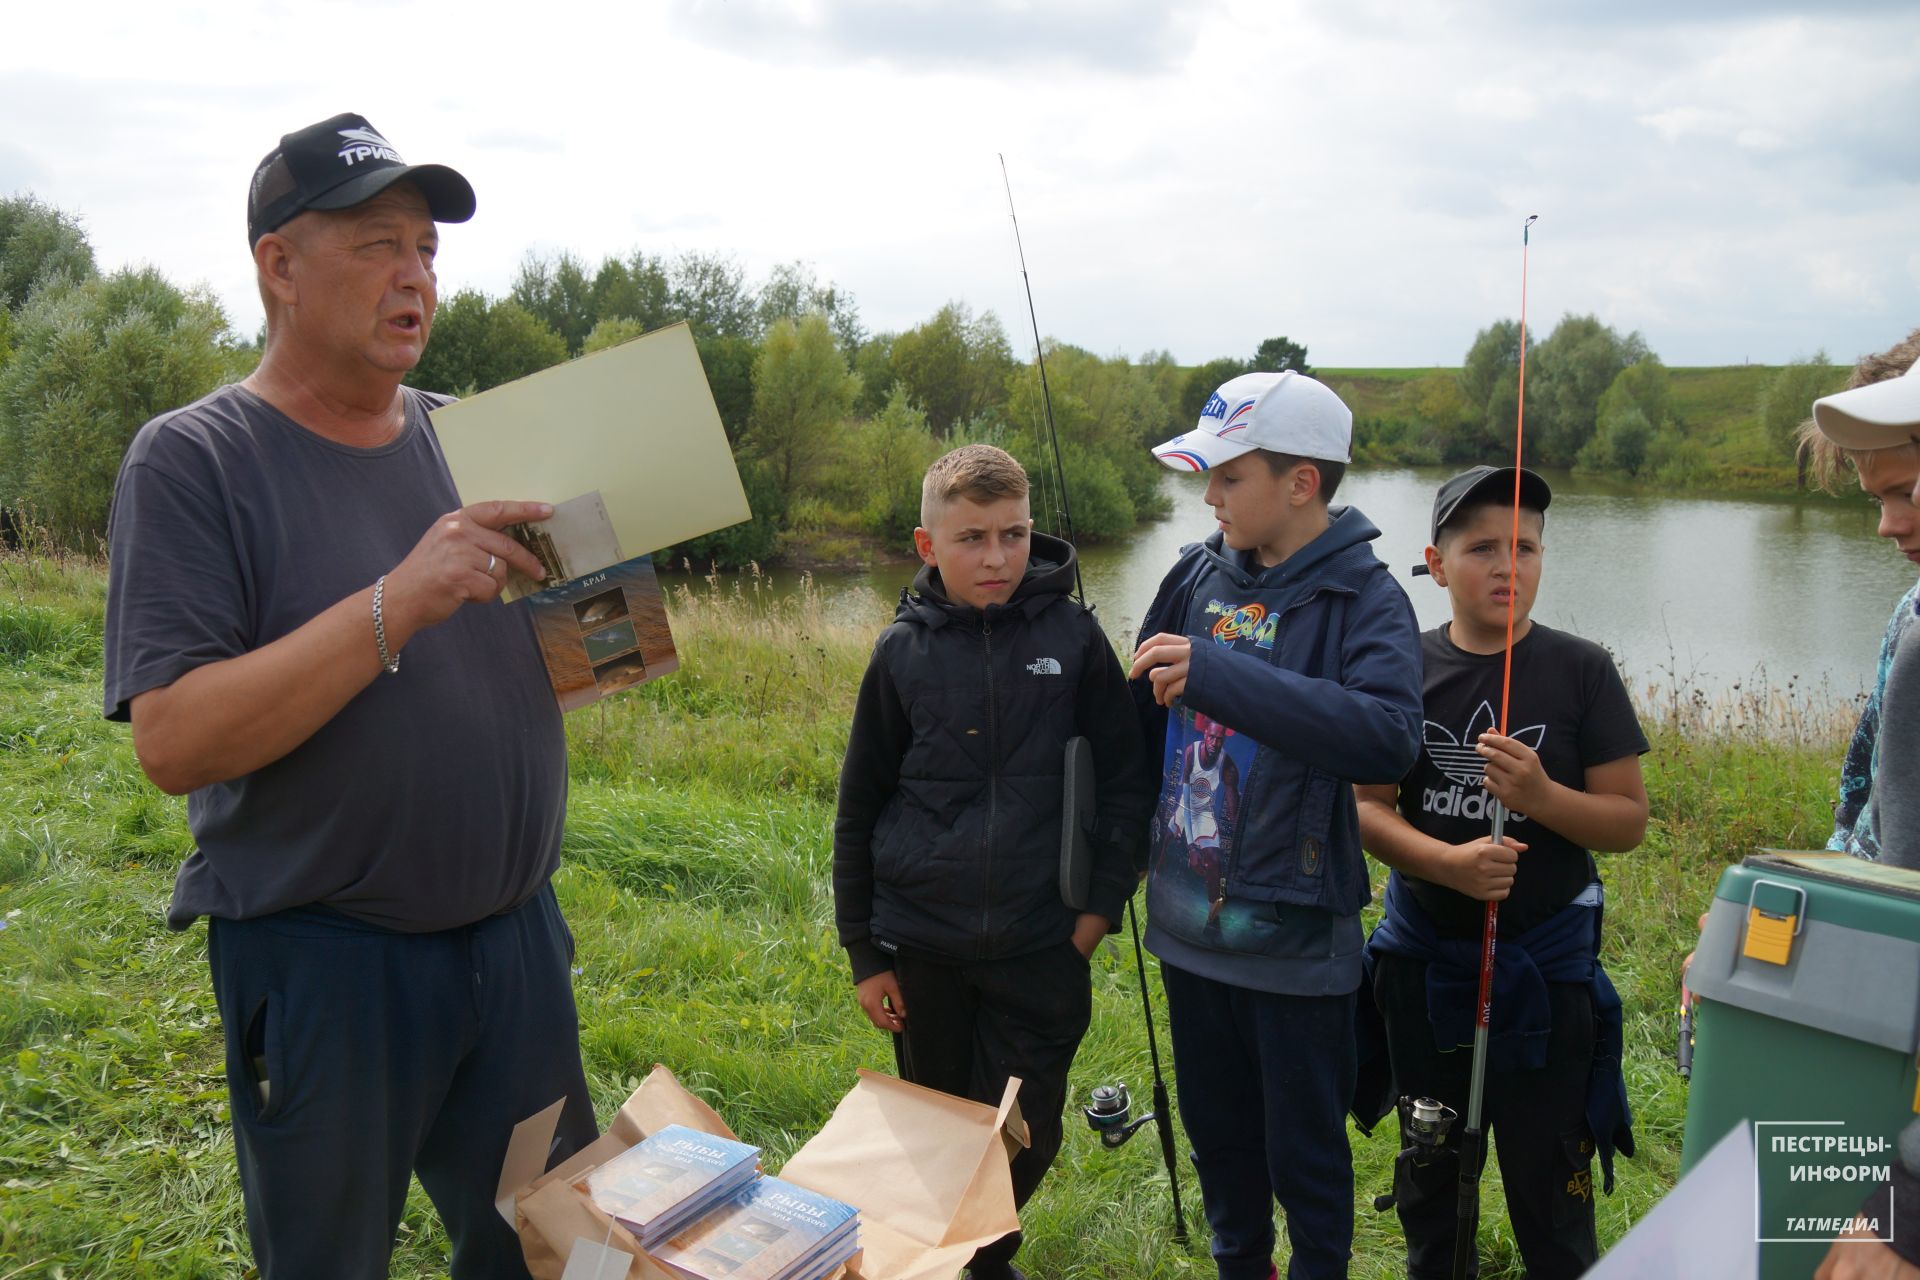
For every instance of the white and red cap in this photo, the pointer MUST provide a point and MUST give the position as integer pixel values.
(1281, 412)
(1876, 416)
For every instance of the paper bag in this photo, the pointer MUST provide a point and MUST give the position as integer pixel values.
(550, 1215)
(928, 1172)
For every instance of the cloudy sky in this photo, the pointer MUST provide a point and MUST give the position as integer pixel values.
(1736, 181)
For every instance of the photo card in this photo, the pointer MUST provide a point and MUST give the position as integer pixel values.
(603, 632)
(576, 540)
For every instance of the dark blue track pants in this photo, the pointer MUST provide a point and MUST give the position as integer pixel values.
(1264, 1083)
(387, 1054)
(1537, 1120)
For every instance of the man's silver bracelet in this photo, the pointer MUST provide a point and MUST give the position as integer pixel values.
(388, 661)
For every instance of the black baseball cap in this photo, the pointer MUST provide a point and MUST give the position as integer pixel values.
(1484, 484)
(338, 163)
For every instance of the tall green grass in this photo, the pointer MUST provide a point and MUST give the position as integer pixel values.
(695, 879)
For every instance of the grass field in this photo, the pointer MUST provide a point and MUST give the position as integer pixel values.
(695, 878)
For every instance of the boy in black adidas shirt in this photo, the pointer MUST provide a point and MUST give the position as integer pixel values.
(1568, 772)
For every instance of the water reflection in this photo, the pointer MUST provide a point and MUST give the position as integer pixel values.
(1711, 589)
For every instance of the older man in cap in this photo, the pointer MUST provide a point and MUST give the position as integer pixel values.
(302, 628)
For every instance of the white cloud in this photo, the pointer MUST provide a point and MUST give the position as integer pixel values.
(1195, 178)
(991, 35)
(1759, 140)
(1676, 123)
(1498, 102)
(1840, 276)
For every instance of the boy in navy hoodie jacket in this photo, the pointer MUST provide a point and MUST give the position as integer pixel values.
(1278, 666)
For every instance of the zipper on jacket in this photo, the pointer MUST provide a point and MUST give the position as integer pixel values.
(993, 789)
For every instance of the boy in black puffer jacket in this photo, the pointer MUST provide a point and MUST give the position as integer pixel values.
(946, 851)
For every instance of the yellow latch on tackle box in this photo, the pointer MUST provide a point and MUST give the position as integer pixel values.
(1776, 912)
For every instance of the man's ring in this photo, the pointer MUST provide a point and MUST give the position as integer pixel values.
(491, 561)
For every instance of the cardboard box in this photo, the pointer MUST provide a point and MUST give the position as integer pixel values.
(928, 1172)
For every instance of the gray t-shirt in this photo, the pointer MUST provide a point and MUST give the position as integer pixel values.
(435, 797)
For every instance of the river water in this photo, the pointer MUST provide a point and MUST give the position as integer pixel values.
(1701, 591)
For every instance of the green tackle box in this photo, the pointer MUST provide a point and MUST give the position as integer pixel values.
(1807, 1022)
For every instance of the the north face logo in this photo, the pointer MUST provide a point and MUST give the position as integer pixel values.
(365, 144)
(1044, 666)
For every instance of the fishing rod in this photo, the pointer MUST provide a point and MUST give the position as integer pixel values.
(1046, 396)
(1110, 1114)
(1473, 1147)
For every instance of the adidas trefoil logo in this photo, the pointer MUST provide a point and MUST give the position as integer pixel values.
(1462, 765)
(1457, 758)
(365, 144)
(1044, 666)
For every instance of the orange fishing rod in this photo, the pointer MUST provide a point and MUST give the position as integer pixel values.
(1473, 1149)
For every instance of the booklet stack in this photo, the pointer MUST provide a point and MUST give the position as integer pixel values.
(672, 1179)
(769, 1230)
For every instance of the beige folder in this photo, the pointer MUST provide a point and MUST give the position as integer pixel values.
(635, 422)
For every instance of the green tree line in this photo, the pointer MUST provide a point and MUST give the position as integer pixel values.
(832, 425)
(1597, 401)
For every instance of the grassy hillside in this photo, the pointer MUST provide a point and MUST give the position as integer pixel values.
(1718, 407)
(1376, 393)
(695, 877)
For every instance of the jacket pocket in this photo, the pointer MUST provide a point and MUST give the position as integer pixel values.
(1312, 843)
(1290, 845)
(1266, 860)
(1328, 845)
(881, 844)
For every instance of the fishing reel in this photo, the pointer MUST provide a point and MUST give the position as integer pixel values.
(1425, 1125)
(1110, 1114)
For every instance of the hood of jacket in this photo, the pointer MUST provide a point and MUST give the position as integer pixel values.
(1049, 575)
(1340, 554)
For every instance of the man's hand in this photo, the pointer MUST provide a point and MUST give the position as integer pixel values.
(1482, 869)
(1851, 1257)
(1514, 774)
(1087, 932)
(880, 1001)
(1166, 658)
(463, 557)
